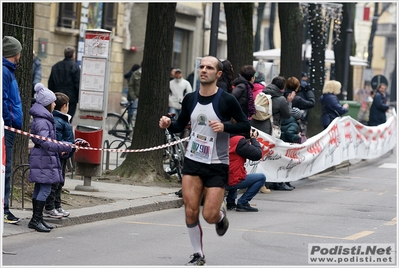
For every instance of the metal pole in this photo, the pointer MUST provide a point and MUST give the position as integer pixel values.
(214, 29)
(349, 33)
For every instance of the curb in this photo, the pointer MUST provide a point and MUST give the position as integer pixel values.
(99, 216)
(113, 210)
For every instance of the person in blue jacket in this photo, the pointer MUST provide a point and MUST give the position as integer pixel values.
(379, 107)
(330, 105)
(12, 112)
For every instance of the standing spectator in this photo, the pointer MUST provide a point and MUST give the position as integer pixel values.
(133, 93)
(379, 107)
(243, 86)
(304, 81)
(190, 78)
(131, 71)
(259, 86)
(64, 133)
(239, 151)
(172, 73)
(44, 158)
(259, 83)
(292, 86)
(36, 72)
(290, 132)
(330, 105)
(280, 105)
(364, 112)
(206, 165)
(304, 100)
(12, 112)
(225, 82)
(65, 78)
(178, 88)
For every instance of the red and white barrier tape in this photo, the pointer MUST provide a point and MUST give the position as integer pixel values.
(96, 149)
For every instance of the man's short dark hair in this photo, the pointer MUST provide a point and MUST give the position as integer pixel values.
(219, 64)
(68, 52)
(279, 81)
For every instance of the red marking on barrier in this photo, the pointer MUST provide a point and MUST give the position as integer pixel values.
(266, 147)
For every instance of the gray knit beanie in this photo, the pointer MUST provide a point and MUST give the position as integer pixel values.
(11, 46)
(297, 113)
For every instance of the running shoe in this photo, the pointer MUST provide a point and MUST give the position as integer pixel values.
(10, 218)
(52, 213)
(223, 225)
(63, 211)
(197, 260)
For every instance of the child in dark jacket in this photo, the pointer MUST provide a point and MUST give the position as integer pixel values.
(290, 129)
(290, 132)
(44, 158)
(62, 119)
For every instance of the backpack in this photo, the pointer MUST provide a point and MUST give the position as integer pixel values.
(263, 105)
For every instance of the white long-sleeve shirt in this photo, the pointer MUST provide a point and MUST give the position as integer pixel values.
(178, 88)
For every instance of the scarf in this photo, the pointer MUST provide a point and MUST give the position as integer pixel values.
(251, 102)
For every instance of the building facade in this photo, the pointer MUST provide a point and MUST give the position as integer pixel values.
(57, 25)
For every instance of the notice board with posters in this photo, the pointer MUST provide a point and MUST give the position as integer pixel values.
(94, 78)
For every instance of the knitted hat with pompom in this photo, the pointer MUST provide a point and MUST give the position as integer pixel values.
(44, 96)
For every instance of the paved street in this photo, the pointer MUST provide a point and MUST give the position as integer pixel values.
(359, 206)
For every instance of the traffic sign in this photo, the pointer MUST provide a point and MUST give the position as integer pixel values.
(378, 79)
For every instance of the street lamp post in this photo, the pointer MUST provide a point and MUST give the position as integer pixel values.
(349, 33)
(214, 29)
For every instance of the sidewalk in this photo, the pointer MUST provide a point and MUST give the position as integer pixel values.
(128, 200)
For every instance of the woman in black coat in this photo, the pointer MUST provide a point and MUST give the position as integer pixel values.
(330, 105)
(379, 107)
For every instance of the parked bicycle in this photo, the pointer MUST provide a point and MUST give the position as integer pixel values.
(116, 124)
(173, 155)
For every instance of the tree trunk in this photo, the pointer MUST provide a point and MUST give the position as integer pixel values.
(261, 9)
(316, 76)
(147, 167)
(239, 34)
(271, 27)
(18, 20)
(291, 27)
(374, 24)
(339, 52)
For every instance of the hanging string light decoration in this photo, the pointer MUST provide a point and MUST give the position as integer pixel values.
(319, 17)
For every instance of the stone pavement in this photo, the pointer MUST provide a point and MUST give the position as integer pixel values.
(126, 200)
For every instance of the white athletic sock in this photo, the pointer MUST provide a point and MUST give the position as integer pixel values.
(195, 234)
(221, 216)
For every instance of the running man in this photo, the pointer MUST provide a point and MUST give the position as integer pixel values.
(206, 165)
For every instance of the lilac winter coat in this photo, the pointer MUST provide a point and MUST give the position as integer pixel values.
(44, 159)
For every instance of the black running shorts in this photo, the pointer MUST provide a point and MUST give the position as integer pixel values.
(212, 175)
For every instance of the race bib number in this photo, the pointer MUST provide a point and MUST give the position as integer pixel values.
(200, 148)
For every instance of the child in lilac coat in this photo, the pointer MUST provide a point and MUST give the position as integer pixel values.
(44, 158)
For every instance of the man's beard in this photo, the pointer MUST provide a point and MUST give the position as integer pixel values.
(206, 82)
